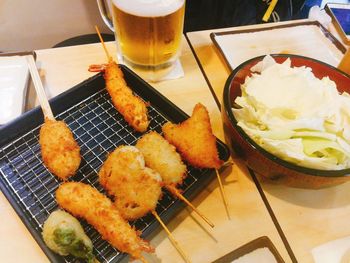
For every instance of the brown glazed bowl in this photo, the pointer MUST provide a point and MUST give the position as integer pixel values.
(258, 159)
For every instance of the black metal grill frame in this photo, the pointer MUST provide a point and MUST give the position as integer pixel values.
(98, 128)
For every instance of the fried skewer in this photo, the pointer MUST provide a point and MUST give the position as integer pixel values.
(84, 201)
(130, 106)
(162, 157)
(196, 143)
(135, 187)
(59, 151)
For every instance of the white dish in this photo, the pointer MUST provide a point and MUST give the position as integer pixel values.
(14, 75)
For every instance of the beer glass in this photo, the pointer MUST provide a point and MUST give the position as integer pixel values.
(148, 34)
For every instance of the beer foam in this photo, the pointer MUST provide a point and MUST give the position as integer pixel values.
(149, 8)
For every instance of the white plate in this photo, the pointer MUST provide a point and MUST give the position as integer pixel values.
(14, 74)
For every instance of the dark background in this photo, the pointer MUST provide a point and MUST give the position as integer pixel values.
(209, 14)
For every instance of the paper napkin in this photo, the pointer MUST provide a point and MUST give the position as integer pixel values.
(336, 251)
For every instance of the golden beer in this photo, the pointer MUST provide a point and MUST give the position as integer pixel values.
(148, 33)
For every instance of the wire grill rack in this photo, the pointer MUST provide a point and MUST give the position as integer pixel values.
(98, 129)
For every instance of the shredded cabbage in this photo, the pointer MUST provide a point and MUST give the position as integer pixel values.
(296, 116)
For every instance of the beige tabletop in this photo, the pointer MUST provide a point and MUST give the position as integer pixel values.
(61, 69)
(308, 218)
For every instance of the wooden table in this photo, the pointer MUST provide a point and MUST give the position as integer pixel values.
(61, 69)
(308, 218)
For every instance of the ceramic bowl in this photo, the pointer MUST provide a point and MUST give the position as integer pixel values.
(260, 160)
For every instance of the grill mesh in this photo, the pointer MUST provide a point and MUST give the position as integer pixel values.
(98, 129)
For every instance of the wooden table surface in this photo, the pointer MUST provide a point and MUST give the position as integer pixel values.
(308, 218)
(61, 69)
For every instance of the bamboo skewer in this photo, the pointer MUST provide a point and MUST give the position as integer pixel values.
(177, 193)
(103, 44)
(171, 237)
(39, 89)
(222, 191)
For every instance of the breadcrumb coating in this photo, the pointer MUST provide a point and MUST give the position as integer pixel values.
(59, 151)
(194, 139)
(84, 201)
(132, 108)
(136, 189)
(162, 157)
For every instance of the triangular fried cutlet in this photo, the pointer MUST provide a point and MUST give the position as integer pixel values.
(194, 139)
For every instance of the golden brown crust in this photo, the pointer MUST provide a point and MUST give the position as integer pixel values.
(86, 202)
(135, 189)
(162, 157)
(59, 151)
(132, 108)
(194, 139)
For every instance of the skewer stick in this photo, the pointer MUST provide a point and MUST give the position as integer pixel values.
(177, 193)
(109, 58)
(39, 89)
(227, 163)
(222, 191)
(171, 237)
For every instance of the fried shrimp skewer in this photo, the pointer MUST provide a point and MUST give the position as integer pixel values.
(135, 187)
(84, 201)
(162, 157)
(133, 108)
(59, 151)
(196, 142)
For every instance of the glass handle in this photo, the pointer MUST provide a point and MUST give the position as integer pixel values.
(105, 11)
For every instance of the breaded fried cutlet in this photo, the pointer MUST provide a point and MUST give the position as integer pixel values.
(194, 139)
(59, 151)
(136, 189)
(162, 157)
(84, 201)
(131, 107)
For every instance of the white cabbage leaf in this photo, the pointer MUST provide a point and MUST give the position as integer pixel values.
(296, 116)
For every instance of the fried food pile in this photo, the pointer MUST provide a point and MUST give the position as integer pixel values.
(132, 108)
(84, 201)
(59, 151)
(133, 176)
(136, 188)
(194, 139)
